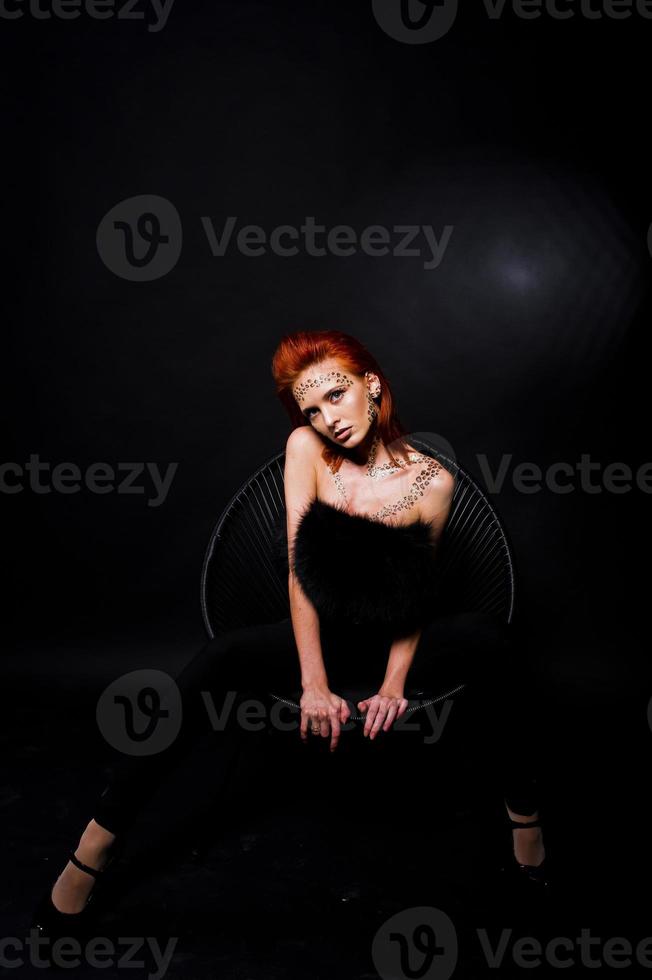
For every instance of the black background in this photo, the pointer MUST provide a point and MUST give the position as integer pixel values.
(528, 137)
(531, 338)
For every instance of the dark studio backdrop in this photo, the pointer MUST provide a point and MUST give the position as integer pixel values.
(521, 142)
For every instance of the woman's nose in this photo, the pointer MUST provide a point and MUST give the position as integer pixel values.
(330, 418)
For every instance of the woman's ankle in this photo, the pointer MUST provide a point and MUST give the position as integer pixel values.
(95, 843)
(527, 840)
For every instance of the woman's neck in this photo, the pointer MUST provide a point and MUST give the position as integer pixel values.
(370, 452)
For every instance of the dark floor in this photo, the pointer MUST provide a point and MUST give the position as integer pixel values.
(295, 874)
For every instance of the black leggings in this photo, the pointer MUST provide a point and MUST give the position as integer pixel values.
(258, 661)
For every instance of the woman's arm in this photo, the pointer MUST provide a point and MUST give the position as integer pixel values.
(301, 451)
(305, 623)
(399, 662)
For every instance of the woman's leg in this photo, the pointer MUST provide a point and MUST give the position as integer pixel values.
(251, 660)
(492, 659)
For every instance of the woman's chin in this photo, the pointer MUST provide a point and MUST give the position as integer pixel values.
(355, 441)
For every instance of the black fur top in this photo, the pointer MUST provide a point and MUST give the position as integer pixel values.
(362, 570)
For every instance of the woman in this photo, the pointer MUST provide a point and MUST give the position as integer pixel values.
(364, 512)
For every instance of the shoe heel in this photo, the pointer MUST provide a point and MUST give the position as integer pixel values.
(536, 874)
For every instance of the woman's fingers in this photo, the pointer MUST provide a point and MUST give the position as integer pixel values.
(305, 723)
(335, 737)
(311, 725)
(325, 722)
(381, 713)
(391, 715)
(372, 712)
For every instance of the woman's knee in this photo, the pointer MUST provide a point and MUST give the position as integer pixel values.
(249, 656)
(472, 638)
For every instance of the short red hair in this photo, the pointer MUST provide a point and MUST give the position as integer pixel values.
(298, 351)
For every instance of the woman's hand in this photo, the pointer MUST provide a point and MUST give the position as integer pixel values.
(321, 712)
(385, 707)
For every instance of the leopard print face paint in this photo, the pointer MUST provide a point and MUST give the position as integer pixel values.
(372, 411)
(320, 379)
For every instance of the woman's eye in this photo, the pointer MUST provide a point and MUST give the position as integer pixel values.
(338, 391)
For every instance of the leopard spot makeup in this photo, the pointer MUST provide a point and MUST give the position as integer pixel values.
(300, 391)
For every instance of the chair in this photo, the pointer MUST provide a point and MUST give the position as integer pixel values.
(241, 584)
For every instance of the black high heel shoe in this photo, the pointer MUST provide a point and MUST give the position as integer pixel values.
(50, 923)
(537, 874)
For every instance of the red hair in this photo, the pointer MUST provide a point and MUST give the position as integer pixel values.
(298, 351)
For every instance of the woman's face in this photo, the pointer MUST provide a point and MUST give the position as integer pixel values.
(334, 400)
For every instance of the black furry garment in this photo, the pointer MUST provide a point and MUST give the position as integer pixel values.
(357, 569)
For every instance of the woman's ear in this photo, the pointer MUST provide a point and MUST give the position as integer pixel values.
(373, 383)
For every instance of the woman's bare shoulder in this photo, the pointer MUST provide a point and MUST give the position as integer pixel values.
(304, 441)
(437, 493)
(300, 476)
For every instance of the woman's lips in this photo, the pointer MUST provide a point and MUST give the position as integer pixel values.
(345, 433)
